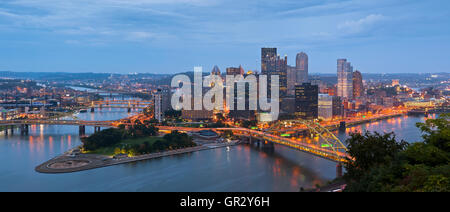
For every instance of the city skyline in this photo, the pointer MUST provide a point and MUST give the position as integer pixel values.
(147, 36)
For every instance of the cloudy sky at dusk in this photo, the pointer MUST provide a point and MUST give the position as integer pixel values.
(169, 36)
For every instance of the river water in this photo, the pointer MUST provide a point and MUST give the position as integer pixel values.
(239, 168)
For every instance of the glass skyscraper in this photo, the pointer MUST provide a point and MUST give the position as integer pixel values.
(301, 67)
(272, 64)
(345, 79)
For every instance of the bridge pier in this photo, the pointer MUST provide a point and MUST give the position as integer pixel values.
(92, 109)
(97, 129)
(12, 129)
(267, 145)
(24, 129)
(339, 170)
(342, 126)
(82, 130)
(129, 110)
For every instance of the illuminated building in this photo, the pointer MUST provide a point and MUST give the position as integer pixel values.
(325, 107)
(358, 87)
(162, 100)
(301, 68)
(158, 106)
(306, 101)
(345, 79)
(395, 82)
(234, 113)
(235, 71)
(215, 71)
(338, 107)
(291, 80)
(272, 64)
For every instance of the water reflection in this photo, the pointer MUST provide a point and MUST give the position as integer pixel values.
(238, 168)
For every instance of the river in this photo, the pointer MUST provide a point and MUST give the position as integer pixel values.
(239, 168)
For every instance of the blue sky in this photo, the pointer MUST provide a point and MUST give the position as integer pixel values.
(170, 36)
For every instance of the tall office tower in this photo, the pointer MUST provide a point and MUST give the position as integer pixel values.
(162, 103)
(268, 56)
(358, 87)
(291, 80)
(338, 107)
(271, 64)
(306, 101)
(325, 107)
(158, 106)
(302, 68)
(234, 113)
(166, 99)
(345, 79)
(215, 71)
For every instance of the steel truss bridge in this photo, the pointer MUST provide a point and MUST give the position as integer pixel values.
(56, 122)
(135, 104)
(326, 146)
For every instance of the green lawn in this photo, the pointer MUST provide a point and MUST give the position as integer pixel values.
(109, 151)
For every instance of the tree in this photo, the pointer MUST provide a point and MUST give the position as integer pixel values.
(437, 132)
(370, 150)
(380, 163)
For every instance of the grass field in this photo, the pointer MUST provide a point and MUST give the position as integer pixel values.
(109, 151)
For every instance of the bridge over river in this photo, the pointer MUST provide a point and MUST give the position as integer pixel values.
(325, 146)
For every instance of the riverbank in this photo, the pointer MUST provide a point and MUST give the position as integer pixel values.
(68, 162)
(364, 121)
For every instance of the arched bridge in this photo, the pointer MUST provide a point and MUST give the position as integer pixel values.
(327, 146)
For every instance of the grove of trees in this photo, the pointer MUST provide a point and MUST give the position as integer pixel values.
(384, 164)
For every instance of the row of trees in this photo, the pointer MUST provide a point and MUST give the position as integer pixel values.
(381, 163)
(174, 140)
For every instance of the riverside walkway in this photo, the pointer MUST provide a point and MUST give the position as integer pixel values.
(67, 163)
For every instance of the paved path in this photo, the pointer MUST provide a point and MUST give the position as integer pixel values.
(99, 161)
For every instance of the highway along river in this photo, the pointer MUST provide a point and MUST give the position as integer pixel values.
(239, 168)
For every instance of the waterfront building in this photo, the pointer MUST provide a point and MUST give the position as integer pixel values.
(158, 112)
(306, 101)
(345, 79)
(325, 107)
(338, 107)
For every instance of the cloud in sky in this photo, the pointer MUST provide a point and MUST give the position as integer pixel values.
(212, 30)
(360, 25)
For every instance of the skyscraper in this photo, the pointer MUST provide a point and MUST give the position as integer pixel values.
(306, 101)
(158, 107)
(272, 64)
(325, 107)
(215, 71)
(234, 113)
(291, 80)
(358, 88)
(345, 79)
(162, 100)
(302, 68)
